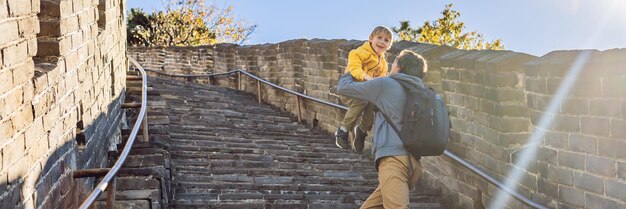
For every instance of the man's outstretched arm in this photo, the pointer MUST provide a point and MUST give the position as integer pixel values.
(367, 91)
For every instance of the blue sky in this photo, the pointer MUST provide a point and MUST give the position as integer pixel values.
(531, 26)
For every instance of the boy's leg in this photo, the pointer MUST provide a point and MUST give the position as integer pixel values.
(355, 107)
(368, 118)
(360, 131)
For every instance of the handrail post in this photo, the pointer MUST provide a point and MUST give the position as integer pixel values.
(239, 80)
(144, 124)
(299, 109)
(258, 90)
(111, 194)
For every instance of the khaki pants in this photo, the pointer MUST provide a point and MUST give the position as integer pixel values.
(394, 183)
(355, 108)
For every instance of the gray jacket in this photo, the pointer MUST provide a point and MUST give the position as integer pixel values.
(389, 96)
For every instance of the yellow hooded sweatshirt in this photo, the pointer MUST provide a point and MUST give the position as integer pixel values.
(364, 60)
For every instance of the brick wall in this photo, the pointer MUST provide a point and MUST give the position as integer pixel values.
(582, 161)
(495, 100)
(62, 70)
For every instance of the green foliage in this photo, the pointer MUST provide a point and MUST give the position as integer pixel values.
(446, 30)
(186, 23)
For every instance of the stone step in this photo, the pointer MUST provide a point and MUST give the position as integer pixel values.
(227, 151)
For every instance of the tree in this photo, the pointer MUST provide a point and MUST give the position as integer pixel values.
(446, 30)
(186, 23)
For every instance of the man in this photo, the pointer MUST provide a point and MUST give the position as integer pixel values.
(398, 171)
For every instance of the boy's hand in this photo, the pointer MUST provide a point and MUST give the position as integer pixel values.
(368, 77)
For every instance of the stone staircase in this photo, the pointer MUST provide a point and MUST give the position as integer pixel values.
(222, 149)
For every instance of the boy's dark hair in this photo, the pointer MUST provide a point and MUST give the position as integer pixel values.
(411, 63)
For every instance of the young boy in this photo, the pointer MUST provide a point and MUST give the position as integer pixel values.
(364, 63)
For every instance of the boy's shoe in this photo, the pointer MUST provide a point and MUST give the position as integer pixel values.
(359, 139)
(341, 139)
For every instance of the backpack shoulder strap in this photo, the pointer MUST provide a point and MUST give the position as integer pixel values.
(395, 128)
(406, 90)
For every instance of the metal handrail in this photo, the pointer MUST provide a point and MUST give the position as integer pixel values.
(104, 183)
(453, 156)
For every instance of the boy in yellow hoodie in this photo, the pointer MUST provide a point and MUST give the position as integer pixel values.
(364, 63)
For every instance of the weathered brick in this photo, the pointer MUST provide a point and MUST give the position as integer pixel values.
(71, 61)
(615, 189)
(41, 103)
(557, 139)
(536, 85)
(23, 73)
(19, 7)
(39, 149)
(605, 107)
(601, 166)
(617, 128)
(6, 80)
(32, 46)
(505, 79)
(65, 46)
(537, 102)
(612, 148)
(571, 160)
(15, 54)
(69, 25)
(566, 123)
(51, 118)
(589, 87)
(78, 5)
(50, 8)
(575, 106)
(50, 28)
(34, 132)
(48, 48)
(561, 175)
(510, 125)
(18, 170)
(4, 13)
(621, 170)
(6, 131)
(9, 31)
(22, 117)
(28, 93)
(66, 8)
(614, 87)
(547, 188)
(13, 151)
(86, 18)
(594, 201)
(572, 196)
(511, 110)
(28, 26)
(56, 134)
(583, 143)
(589, 182)
(36, 6)
(77, 41)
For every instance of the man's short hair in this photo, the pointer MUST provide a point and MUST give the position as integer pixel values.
(411, 63)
